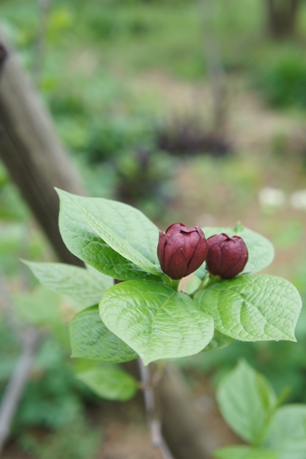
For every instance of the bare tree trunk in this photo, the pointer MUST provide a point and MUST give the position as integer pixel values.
(282, 17)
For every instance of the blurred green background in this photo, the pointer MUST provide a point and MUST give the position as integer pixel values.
(130, 85)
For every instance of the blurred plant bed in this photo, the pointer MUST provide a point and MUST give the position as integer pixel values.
(282, 82)
(290, 146)
(185, 137)
(50, 418)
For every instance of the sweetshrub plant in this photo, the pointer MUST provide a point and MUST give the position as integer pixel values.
(147, 315)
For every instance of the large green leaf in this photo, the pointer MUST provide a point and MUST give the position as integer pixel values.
(246, 400)
(287, 432)
(109, 382)
(261, 251)
(123, 242)
(91, 339)
(244, 452)
(253, 307)
(155, 320)
(84, 242)
(84, 285)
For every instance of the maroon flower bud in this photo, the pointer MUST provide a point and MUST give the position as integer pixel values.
(181, 250)
(227, 256)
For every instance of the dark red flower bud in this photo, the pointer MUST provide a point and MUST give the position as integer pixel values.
(227, 256)
(181, 250)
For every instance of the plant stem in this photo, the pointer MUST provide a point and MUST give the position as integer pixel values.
(206, 281)
(153, 418)
(261, 435)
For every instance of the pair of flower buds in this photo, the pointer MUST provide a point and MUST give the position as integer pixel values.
(182, 250)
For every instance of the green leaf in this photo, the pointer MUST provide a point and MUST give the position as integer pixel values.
(123, 244)
(155, 320)
(253, 307)
(246, 400)
(287, 432)
(83, 241)
(244, 452)
(86, 286)
(261, 251)
(111, 383)
(91, 339)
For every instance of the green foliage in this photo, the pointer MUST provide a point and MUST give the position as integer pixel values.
(86, 286)
(107, 381)
(129, 242)
(51, 398)
(39, 307)
(283, 81)
(250, 407)
(244, 452)
(100, 343)
(282, 362)
(287, 432)
(42, 309)
(76, 223)
(76, 440)
(246, 400)
(253, 307)
(11, 208)
(155, 321)
(150, 316)
(150, 34)
(8, 352)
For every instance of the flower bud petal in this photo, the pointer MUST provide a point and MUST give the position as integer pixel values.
(197, 258)
(181, 250)
(176, 266)
(226, 256)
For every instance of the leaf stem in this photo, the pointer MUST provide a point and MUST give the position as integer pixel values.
(206, 281)
(261, 435)
(171, 282)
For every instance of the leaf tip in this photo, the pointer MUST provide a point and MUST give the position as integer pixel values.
(61, 193)
(58, 190)
(25, 262)
(146, 361)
